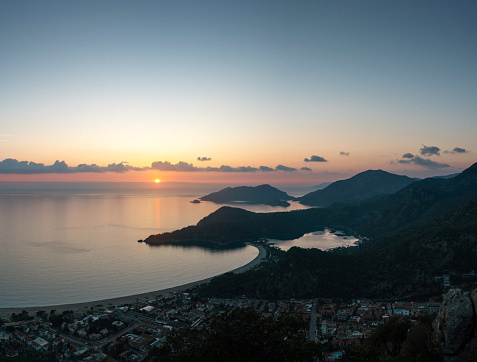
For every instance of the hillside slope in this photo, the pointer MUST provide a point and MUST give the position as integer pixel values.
(360, 187)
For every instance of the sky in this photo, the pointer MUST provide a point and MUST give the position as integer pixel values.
(243, 92)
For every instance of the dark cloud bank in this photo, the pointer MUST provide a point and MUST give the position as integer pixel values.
(12, 166)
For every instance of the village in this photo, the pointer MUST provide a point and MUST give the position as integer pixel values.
(126, 333)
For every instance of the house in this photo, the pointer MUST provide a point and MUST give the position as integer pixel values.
(40, 344)
(142, 342)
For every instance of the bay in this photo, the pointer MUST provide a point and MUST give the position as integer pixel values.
(77, 242)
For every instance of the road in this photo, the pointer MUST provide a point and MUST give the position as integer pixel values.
(312, 329)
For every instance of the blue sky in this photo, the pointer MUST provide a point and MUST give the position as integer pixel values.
(250, 83)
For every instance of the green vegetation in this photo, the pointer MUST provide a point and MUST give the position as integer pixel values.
(401, 265)
(396, 341)
(23, 316)
(240, 335)
(425, 230)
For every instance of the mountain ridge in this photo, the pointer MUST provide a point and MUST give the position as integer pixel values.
(362, 186)
(417, 204)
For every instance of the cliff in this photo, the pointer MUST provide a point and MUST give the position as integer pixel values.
(455, 326)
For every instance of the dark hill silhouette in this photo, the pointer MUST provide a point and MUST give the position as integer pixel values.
(322, 185)
(425, 230)
(417, 204)
(362, 186)
(263, 194)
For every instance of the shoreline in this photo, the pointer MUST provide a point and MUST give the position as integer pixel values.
(141, 297)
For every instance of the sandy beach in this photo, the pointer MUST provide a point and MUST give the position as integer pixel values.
(262, 253)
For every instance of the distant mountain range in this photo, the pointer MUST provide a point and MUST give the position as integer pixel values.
(357, 188)
(413, 205)
(425, 229)
(447, 176)
(263, 194)
(322, 185)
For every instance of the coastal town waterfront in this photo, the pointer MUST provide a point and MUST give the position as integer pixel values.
(126, 333)
(124, 329)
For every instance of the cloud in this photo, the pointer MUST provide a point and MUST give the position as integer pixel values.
(344, 153)
(232, 169)
(408, 155)
(429, 150)
(189, 167)
(306, 169)
(203, 158)
(266, 169)
(315, 159)
(12, 166)
(431, 165)
(168, 166)
(285, 168)
(457, 150)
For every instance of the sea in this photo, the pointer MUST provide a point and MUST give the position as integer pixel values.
(78, 242)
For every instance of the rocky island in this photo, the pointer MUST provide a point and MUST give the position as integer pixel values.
(263, 195)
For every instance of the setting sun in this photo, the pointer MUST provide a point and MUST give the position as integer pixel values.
(157, 180)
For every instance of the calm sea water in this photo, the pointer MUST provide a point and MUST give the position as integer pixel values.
(66, 243)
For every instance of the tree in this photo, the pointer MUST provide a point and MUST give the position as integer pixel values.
(396, 341)
(240, 335)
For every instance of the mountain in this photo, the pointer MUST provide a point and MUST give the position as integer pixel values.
(322, 185)
(428, 228)
(230, 225)
(263, 194)
(362, 186)
(380, 217)
(447, 176)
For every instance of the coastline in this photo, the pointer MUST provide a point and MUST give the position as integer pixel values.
(141, 297)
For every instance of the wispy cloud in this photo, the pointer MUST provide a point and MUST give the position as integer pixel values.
(5, 137)
(204, 158)
(408, 155)
(315, 158)
(344, 153)
(306, 169)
